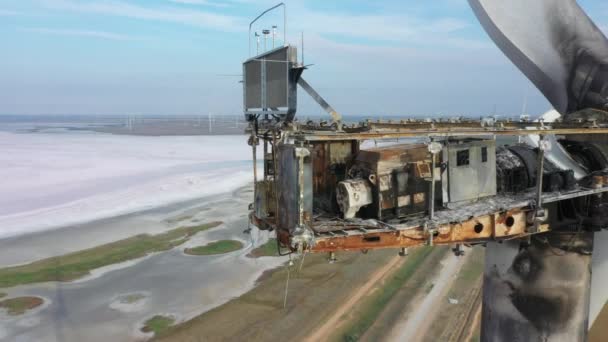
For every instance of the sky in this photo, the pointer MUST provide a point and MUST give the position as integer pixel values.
(183, 57)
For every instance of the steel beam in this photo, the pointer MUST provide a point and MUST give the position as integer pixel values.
(444, 132)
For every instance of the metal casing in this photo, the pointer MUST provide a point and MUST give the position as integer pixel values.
(352, 194)
(398, 189)
(465, 181)
(270, 82)
(265, 200)
(288, 188)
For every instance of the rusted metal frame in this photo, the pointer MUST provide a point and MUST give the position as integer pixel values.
(255, 166)
(539, 175)
(275, 176)
(473, 124)
(425, 125)
(324, 136)
(283, 240)
(300, 190)
(265, 153)
(432, 194)
(525, 202)
(564, 196)
(538, 201)
(496, 226)
(335, 116)
(501, 230)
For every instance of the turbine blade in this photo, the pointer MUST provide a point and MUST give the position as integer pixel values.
(555, 44)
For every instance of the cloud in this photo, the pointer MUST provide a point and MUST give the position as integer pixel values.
(379, 27)
(196, 18)
(406, 26)
(79, 33)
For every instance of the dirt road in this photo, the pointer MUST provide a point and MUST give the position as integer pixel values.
(330, 325)
(415, 321)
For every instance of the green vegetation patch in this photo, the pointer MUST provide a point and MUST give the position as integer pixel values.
(374, 305)
(217, 247)
(78, 264)
(267, 249)
(158, 324)
(2, 294)
(132, 298)
(19, 305)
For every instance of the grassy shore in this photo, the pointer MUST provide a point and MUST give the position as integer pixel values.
(78, 264)
(19, 305)
(158, 324)
(267, 249)
(216, 247)
(314, 293)
(132, 298)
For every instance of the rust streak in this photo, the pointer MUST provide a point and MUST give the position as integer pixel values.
(479, 229)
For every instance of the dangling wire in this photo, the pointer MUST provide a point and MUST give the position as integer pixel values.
(302, 261)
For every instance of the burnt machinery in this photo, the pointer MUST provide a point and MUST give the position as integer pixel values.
(335, 186)
(325, 189)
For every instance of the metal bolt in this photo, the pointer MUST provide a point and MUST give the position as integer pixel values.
(458, 251)
(332, 257)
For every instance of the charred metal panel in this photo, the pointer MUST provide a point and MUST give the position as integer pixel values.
(510, 224)
(394, 171)
(471, 171)
(511, 173)
(592, 152)
(329, 163)
(265, 200)
(537, 291)
(517, 170)
(288, 190)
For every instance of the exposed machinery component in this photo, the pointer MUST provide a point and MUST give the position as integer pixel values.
(517, 170)
(352, 195)
(399, 176)
(321, 172)
(323, 190)
(593, 155)
(511, 172)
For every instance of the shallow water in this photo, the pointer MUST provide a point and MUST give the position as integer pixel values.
(174, 283)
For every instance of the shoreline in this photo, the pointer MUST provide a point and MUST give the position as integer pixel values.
(32, 246)
(186, 286)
